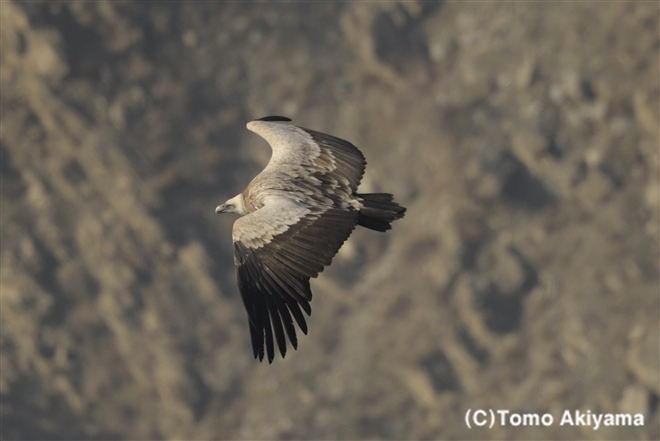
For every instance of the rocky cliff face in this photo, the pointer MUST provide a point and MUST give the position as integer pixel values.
(522, 138)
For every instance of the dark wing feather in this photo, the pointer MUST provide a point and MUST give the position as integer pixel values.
(273, 118)
(349, 161)
(274, 278)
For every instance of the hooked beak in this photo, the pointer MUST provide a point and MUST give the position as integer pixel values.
(220, 209)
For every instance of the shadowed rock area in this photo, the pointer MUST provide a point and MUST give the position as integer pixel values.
(523, 138)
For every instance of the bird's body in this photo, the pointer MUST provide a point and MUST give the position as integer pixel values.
(296, 214)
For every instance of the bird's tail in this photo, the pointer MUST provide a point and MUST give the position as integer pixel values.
(378, 211)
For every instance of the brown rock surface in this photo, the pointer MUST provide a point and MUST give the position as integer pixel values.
(523, 138)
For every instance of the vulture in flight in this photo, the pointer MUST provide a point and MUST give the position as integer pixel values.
(295, 215)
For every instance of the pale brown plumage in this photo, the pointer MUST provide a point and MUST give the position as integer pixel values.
(297, 213)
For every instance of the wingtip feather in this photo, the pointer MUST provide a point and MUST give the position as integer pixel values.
(273, 118)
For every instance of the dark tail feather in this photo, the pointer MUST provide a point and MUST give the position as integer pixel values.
(379, 211)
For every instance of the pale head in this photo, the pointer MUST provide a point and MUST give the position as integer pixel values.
(233, 205)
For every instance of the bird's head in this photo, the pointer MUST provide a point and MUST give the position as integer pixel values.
(233, 205)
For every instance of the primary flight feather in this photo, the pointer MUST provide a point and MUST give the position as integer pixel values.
(296, 214)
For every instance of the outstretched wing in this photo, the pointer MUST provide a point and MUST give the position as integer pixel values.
(276, 250)
(304, 151)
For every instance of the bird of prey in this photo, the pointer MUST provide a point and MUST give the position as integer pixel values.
(296, 214)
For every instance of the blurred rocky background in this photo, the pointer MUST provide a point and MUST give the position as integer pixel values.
(522, 137)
